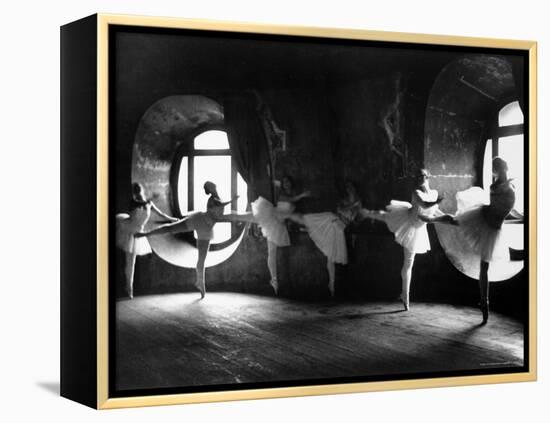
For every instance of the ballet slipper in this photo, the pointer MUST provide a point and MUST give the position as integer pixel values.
(484, 307)
(275, 284)
(404, 301)
(130, 291)
(200, 287)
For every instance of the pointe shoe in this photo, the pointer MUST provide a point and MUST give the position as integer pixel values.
(484, 307)
(201, 289)
(404, 302)
(331, 290)
(275, 285)
(130, 291)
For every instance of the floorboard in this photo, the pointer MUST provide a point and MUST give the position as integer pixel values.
(177, 340)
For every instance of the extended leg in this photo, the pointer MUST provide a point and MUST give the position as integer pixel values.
(169, 228)
(237, 217)
(372, 214)
(331, 276)
(406, 274)
(272, 265)
(129, 270)
(484, 290)
(203, 251)
(297, 218)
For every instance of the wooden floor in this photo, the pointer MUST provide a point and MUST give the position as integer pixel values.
(178, 340)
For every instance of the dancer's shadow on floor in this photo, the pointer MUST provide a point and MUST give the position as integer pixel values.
(367, 315)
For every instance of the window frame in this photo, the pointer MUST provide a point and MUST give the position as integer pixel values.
(187, 149)
(496, 132)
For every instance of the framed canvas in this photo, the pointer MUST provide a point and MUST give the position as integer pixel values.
(254, 211)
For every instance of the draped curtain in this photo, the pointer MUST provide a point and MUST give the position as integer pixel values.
(518, 73)
(248, 144)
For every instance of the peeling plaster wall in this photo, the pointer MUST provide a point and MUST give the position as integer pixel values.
(308, 158)
(362, 153)
(335, 131)
(464, 99)
(363, 149)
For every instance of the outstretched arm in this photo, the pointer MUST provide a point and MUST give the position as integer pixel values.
(162, 214)
(295, 198)
(427, 204)
(371, 214)
(219, 203)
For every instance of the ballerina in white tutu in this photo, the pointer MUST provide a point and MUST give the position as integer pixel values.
(271, 220)
(129, 224)
(203, 225)
(480, 224)
(408, 221)
(326, 230)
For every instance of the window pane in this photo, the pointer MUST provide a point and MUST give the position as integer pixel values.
(183, 185)
(216, 169)
(212, 140)
(511, 150)
(222, 232)
(510, 115)
(242, 192)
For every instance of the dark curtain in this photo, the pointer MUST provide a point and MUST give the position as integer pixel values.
(248, 145)
(518, 65)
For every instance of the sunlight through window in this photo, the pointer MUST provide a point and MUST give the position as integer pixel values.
(508, 143)
(511, 149)
(210, 160)
(211, 140)
(510, 115)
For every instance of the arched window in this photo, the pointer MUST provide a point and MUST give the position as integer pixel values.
(507, 141)
(207, 157)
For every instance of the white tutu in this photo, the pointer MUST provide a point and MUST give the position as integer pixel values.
(271, 221)
(484, 240)
(410, 232)
(327, 232)
(126, 227)
(202, 223)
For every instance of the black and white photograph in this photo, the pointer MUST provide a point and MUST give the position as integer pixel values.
(292, 211)
(275, 212)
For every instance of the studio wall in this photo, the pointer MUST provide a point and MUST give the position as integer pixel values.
(374, 129)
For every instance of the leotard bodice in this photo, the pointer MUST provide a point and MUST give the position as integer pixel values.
(140, 215)
(503, 197)
(214, 208)
(428, 196)
(347, 212)
(285, 208)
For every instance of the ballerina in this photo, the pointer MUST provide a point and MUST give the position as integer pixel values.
(203, 224)
(271, 220)
(480, 224)
(326, 229)
(128, 224)
(408, 221)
